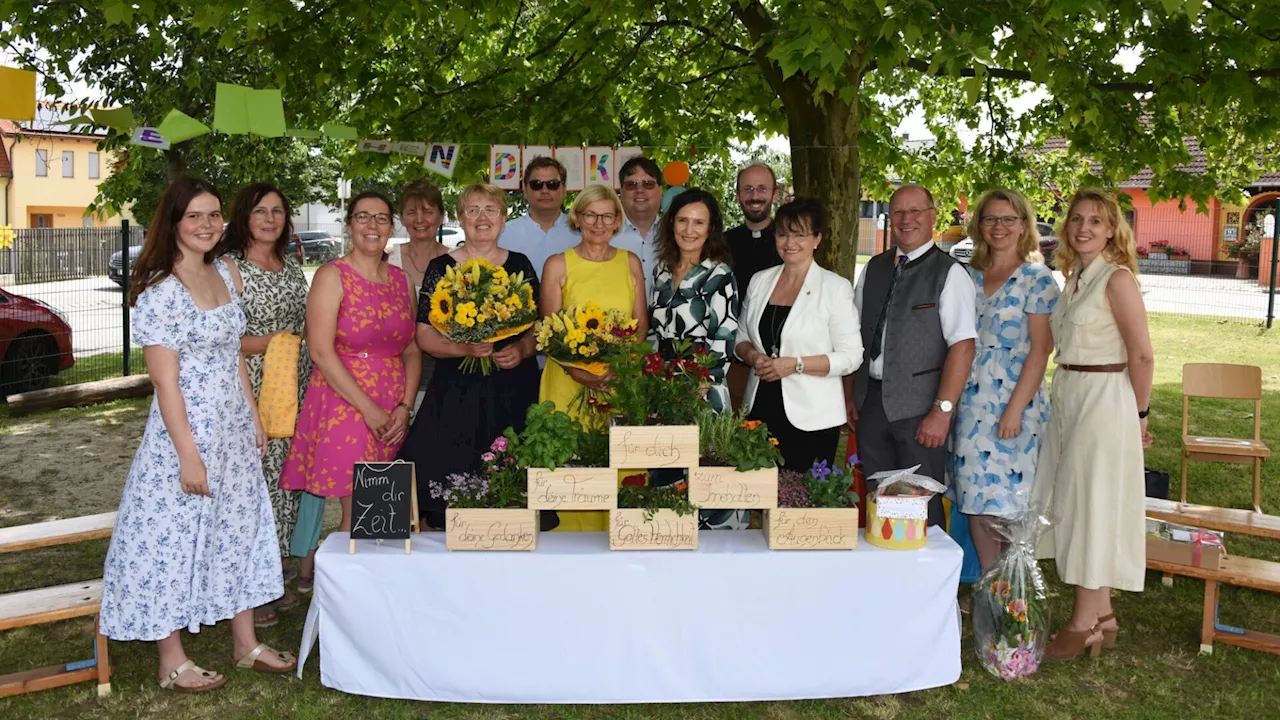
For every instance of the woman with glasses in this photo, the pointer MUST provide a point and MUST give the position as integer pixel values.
(360, 335)
(799, 335)
(1002, 411)
(591, 272)
(463, 412)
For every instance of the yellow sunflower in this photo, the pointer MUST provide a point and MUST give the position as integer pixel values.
(441, 306)
(592, 319)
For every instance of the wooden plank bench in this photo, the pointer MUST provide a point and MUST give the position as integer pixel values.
(1233, 570)
(51, 604)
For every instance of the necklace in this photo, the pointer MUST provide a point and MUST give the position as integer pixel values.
(776, 329)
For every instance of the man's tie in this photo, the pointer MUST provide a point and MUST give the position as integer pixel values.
(877, 338)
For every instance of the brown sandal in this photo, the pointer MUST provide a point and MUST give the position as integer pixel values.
(169, 681)
(1067, 644)
(1108, 636)
(251, 661)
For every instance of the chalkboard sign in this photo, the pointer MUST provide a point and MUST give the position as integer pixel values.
(384, 502)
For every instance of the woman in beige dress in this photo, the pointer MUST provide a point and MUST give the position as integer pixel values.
(1090, 473)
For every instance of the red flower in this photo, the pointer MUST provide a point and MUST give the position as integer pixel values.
(634, 481)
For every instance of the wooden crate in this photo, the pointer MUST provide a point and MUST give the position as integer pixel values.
(628, 530)
(811, 528)
(573, 489)
(724, 488)
(653, 446)
(489, 529)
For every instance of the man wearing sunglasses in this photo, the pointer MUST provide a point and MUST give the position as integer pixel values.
(641, 201)
(544, 230)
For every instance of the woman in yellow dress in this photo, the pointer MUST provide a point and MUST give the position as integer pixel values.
(591, 272)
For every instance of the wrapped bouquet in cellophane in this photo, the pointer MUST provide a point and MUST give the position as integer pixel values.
(1010, 611)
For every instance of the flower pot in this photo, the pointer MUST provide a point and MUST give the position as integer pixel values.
(1243, 269)
(629, 530)
(570, 488)
(811, 528)
(491, 529)
(653, 446)
(725, 488)
(901, 524)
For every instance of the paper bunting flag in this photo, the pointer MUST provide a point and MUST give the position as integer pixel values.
(17, 94)
(574, 161)
(600, 165)
(378, 146)
(119, 118)
(77, 120)
(620, 157)
(529, 153)
(299, 133)
(266, 112)
(504, 166)
(149, 137)
(441, 158)
(340, 132)
(410, 148)
(180, 127)
(239, 110)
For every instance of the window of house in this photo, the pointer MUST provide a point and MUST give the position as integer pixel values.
(68, 163)
(42, 163)
(93, 166)
(867, 209)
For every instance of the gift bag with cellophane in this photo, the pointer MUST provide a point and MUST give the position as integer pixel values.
(1010, 611)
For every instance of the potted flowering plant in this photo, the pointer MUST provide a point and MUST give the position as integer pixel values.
(1142, 252)
(738, 467)
(816, 511)
(563, 466)
(1160, 247)
(1177, 252)
(488, 510)
(654, 401)
(653, 518)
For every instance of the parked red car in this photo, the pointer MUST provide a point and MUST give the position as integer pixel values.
(35, 344)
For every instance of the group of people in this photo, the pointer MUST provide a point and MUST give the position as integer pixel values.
(932, 363)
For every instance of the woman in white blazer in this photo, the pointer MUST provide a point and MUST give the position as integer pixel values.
(798, 331)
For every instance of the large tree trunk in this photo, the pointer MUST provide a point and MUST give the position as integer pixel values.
(826, 165)
(176, 161)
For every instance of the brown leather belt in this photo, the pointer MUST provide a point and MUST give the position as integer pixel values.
(1113, 367)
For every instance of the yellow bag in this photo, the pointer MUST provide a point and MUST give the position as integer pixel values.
(278, 397)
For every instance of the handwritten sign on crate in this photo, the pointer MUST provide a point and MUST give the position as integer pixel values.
(573, 489)
(384, 502)
(653, 446)
(724, 488)
(629, 530)
(491, 529)
(811, 528)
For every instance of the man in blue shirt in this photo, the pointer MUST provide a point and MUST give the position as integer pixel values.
(543, 231)
(641, 201)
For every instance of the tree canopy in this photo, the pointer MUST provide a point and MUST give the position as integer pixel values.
(680, 76)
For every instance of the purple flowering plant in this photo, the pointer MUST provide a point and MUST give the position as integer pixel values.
(500, 485)
(826, 485)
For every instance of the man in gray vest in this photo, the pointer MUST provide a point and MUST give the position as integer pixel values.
(917, 307)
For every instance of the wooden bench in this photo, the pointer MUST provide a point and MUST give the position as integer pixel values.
(45, 605)
(1233, 570)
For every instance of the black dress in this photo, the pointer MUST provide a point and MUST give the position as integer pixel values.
(799, 448)
(462, 413)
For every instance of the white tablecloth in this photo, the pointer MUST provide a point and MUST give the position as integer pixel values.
(573, 622)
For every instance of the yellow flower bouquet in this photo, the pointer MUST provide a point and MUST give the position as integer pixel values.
(582, 337)
(477, 303)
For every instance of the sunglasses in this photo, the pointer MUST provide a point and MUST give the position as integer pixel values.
(548, 184)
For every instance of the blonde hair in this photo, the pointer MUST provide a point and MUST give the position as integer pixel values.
(492, 192)
(1120, 248)
(1028, 243)
(596, 193)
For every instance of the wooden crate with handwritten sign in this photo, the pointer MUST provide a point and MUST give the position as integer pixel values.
(491, 529)
(653, 446)
(811, 528)
(573, 489)
(725, 488)
(629, 530)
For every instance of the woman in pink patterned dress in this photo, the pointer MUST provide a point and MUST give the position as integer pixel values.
(360, 325)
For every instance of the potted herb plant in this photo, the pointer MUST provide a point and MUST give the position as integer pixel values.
(816, 511)
(653, 518)
(488, 510)
(738, 465)
(566, 468)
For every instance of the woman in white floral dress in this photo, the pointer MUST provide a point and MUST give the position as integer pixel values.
(195, 542)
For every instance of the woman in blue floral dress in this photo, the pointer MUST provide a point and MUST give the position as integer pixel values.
(195, 540)
(1004, 407)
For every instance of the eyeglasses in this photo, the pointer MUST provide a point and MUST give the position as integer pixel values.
(1006, 221)
(756, 190)
(548, 184)
(913, 213)
(602, 218)
(363, 218)
(788, 238)
(639, 184)
(489, 211)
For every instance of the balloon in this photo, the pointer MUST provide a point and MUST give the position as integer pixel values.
(670, 195)
(676, 173)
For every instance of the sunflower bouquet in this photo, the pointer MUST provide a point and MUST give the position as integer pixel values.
(584, 338)
(477, 303)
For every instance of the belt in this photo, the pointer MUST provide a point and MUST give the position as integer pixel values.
(1113, 367)
(365, 355)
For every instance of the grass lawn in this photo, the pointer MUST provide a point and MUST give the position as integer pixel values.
(1155, 672)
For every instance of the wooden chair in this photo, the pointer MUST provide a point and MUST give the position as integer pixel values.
(1235, 382)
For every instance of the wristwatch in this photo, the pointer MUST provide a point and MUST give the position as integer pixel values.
(799, 366)
(945, 406)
